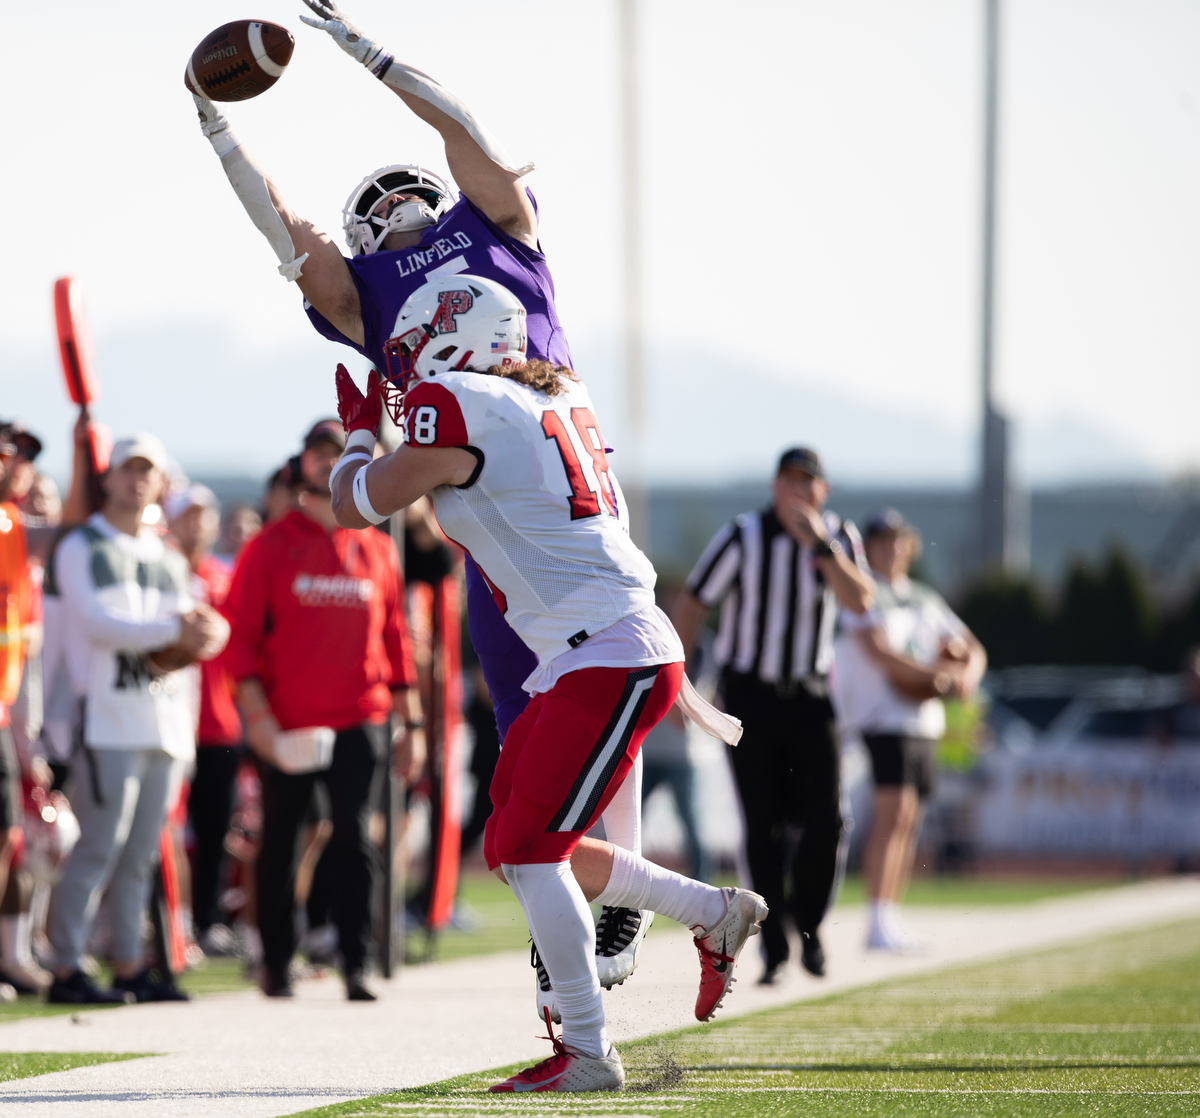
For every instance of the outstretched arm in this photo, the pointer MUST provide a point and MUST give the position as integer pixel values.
(306, 255)
(480, 166)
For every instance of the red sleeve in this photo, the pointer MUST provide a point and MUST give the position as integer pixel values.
(245, 609)
(396, 637)
(432, 417)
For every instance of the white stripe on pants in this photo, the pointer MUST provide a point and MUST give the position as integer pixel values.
(117, 843)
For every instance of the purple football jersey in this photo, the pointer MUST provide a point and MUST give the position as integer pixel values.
(464, 240)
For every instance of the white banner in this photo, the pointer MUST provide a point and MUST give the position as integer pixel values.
(1113, 800)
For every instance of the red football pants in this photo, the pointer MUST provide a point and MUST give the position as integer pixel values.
(566, 755)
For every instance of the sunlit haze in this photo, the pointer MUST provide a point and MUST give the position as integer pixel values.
(811, 190)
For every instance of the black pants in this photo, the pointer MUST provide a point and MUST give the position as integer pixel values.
(786, 767)
(483, 764)
(210, 806)
(354, 859)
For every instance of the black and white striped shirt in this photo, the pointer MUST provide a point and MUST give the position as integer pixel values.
(777, 614)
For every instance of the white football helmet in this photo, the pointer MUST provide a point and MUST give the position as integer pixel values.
(365, 231)
(452, 323)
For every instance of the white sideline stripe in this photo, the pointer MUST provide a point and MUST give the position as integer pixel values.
(269, 67)
(570, 820)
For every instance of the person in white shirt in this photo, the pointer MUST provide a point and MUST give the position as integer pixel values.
(895, 665)
(123, 595)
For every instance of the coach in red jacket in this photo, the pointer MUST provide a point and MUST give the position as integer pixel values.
(319, 640)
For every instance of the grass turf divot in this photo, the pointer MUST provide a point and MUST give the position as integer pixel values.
(1106, 1027)
(22, 1065)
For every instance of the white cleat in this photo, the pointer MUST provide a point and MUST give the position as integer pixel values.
(719, 947)
(567, 1070)
(619, 936)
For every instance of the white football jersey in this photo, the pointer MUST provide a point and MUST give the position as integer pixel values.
(542, 516)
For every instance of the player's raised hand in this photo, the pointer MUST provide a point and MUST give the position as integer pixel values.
(356, 411)
(332, 20)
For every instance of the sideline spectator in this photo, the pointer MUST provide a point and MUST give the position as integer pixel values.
(320, 641)
(279, 497)
(123, 594)
(240, 524)
(780, 575)
(895, 665)
(194, 518)
(29, 509)
(485, 753)
(16, 614)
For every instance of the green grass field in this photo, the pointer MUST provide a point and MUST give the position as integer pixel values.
(501, 924)
(1107, 1027)
(21, 1065)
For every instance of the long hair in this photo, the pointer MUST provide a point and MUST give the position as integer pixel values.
(541, 376)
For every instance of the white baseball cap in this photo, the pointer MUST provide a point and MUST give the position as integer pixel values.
(139, 445)
(195, 494)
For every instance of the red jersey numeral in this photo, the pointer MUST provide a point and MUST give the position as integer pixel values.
(593, 442)
(583, 500)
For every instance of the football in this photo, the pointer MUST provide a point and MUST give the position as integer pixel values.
(239, 60)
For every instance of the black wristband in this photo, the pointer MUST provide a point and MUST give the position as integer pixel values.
(414, 723)
(823, 549)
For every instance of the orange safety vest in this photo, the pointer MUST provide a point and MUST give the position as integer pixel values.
(16, 601)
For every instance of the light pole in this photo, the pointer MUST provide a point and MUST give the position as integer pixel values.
(631, 465)
(995, 491)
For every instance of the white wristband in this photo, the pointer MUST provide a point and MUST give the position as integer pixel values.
(361, 501)
(345, 460)
(361, 439)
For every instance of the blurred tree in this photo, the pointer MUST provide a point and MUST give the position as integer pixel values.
(1179, 633)
(1010, 617)
(1107, 616)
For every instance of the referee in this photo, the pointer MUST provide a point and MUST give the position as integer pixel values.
(779, 576)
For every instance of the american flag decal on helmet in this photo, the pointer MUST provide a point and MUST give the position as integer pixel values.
(499, 347)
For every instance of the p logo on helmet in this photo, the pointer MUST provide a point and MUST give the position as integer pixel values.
(451, 324)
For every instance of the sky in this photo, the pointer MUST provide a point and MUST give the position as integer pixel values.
(811, 186)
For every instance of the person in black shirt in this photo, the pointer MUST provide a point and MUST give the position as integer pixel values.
(779, 576)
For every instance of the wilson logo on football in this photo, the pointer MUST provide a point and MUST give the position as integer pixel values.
(225, 52)
(332, 590)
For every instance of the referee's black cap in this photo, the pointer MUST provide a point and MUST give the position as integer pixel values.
(801, 458)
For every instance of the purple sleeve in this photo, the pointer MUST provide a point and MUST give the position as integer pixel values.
(370, 316)
(506, 660)
(533, 257)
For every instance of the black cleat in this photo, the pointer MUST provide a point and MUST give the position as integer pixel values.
(812, 956)
(356, 988)
(772, 975)
(78, 989)
(276, 984)
(144, 989)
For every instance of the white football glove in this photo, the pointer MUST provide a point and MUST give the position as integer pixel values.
(358, 46)
(215, 126)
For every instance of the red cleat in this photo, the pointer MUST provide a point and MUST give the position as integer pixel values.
(567, 1071)
(720, 945)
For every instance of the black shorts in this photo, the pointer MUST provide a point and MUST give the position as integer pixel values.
(11, 809)
(897, 760)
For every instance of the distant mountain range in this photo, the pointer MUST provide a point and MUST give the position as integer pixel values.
(224, 406)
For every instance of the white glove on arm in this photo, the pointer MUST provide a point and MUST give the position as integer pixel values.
(399, 76)
(249, 183)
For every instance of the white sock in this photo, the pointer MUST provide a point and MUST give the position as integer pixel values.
(623, 817)
(561, 923)
(636, 883)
